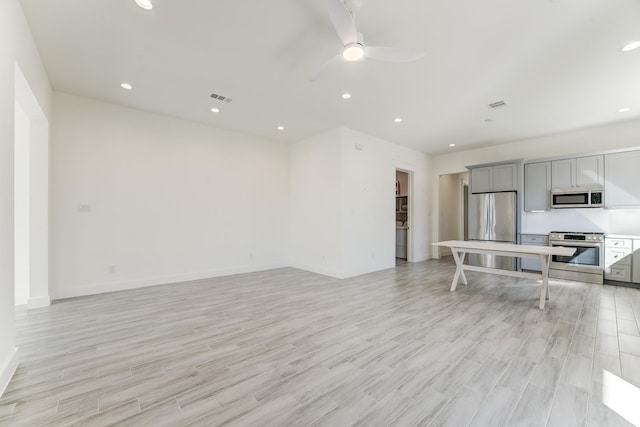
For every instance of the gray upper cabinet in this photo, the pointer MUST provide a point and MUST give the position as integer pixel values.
(481, 180)
(622, 189)
(577, 172)
(502, 177)
(537, 186)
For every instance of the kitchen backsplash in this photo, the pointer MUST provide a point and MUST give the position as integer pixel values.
(586, 219)
(624, 222)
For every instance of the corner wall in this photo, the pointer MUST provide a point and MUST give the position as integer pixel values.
(343, 203)
(316, 204)
(141, 199)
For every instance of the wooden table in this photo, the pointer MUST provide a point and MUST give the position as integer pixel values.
(460, 248)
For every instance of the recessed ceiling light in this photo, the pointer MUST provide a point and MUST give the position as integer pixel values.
(145, 4)
(630, 46)
(397, 119)
(624, 110)
(452, 145)
(215, 110)
(280, 128)
(346, 95)
(126, 86)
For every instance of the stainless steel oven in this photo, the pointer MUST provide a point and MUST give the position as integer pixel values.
(586, 264)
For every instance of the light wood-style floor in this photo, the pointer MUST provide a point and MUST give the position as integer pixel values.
(288, 347)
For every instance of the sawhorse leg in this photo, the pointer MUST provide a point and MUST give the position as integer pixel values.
(459, 258)
(545, 293)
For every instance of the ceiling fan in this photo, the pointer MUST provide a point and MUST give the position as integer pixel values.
(343, 20)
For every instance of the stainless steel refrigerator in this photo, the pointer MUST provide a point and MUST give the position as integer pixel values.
(492, 217)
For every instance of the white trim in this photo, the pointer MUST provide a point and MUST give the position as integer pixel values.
(39, 302)
(101, 288)
(7, 369)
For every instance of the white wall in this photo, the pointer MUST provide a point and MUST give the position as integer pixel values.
(19, 48)
(599, 138)
(140, 199)
(21, 205)
(343, 203)
(316, 204)
(369, 170)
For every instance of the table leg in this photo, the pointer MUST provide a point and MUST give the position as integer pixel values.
(459, 259)
(544, 291)
(464, 277)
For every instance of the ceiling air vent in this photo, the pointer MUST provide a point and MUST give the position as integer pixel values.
(220, 97)
(497, 104)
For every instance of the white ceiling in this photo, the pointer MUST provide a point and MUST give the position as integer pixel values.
(556, 63)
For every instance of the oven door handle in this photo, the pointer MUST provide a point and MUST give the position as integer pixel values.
(580, 244)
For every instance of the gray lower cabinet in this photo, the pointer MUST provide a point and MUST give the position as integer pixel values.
(635, 262)
(537, 186)
(532, 240)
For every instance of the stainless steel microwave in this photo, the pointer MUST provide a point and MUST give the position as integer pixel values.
(577, 197)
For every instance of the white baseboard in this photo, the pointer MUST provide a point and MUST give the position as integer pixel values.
(38, 302)
(7, 369)
(124, 285)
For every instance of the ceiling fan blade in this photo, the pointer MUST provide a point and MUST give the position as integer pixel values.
(342, 21)
(331, 63)
(391, 54)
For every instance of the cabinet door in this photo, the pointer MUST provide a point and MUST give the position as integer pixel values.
(481, 180)
(537, 184)
(563, 173)
(505, 177)
(622, 175)
(635, 262)
(589, 171)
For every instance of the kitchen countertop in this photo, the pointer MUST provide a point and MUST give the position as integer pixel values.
(622, 236)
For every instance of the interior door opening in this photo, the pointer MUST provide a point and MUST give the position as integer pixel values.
(31, 198)
(403, 216)
(452, 212)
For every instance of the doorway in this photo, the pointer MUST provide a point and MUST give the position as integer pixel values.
(452, 211)
(31, 198)
(403, 216)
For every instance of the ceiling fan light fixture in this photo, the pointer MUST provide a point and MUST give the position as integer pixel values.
(353, 52)
(145, 4)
